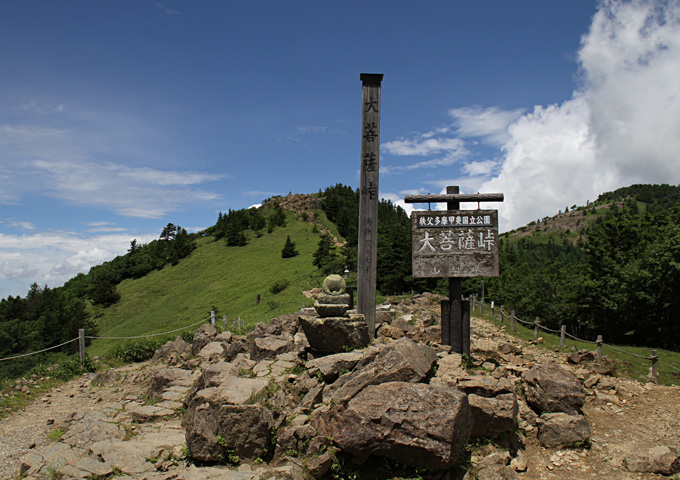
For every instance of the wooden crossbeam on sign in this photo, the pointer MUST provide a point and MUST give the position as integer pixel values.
(454, 197)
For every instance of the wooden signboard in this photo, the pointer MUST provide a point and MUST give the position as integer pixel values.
(455, 243)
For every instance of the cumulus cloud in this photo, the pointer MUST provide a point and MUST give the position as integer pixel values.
(621, 126)
(53, 258)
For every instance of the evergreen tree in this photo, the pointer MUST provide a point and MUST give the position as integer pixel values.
(325, 258)
(289, 249)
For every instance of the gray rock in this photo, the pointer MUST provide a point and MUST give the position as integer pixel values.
(217, 473)
(402, 361)
(52, 456)
(215, 430)
(486, 386)
(493, 416)
(269, 347)
(659, 460)
(509, 349)
(319, 465)
(204, 335)
(331, 365)
(293, 438)
(335, 334)
(212, 376)
(212, 352)
(413, 423)
(148, 413)
(550, 388)
(233, 391)
(560, 429)
(390, 331)
(178, 347)
(95, 426)
(167, 377)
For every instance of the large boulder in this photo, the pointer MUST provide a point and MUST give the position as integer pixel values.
(493, 404)
(560, 429)
(212, 376)
(413, 423)
(265, 348)
(215, 430)
(550, 388)
(335, 334)
(330, 366)
(401, 361)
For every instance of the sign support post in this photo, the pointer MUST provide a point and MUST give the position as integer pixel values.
(368, 198)
(455, 244)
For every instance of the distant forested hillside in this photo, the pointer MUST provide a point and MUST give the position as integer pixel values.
(620, 280)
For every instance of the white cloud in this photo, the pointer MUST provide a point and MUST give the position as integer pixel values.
(484, 167)
(23, 225)
(425, 146)
(129, 191)
(53, 258)
(489, 123)
(620, 128)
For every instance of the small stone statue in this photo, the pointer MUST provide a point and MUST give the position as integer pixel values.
(333, 302)
(334, 330)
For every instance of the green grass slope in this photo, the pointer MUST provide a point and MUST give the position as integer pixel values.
(215, 277)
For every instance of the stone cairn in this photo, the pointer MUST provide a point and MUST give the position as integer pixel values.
(334, 328)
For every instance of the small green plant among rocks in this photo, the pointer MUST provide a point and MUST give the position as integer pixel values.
(56, 434)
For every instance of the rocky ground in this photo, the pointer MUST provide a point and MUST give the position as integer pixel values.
(132, 422)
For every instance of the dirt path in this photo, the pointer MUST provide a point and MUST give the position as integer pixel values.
(24, 430)
(625, 417)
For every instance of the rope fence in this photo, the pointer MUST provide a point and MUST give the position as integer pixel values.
(653, 358)
(81, 338)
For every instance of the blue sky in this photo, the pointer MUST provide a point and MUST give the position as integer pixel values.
(118, 117)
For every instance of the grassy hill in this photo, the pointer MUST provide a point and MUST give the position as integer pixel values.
(216, 277)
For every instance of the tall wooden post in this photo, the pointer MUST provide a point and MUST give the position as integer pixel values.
(368, 198)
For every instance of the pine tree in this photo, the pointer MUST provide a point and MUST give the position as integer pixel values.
(289, 249)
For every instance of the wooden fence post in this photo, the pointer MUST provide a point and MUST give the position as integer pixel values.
(512, 320)
(563, 334)
(599, 348)
(474, 302)
(536, 328)
(493, 311)
(481, 308)
(212, 317)
(502, 314)
(81, 344)
(224, 320)
(655, 373)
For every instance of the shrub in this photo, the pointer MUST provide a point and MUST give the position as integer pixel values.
(279, 286)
